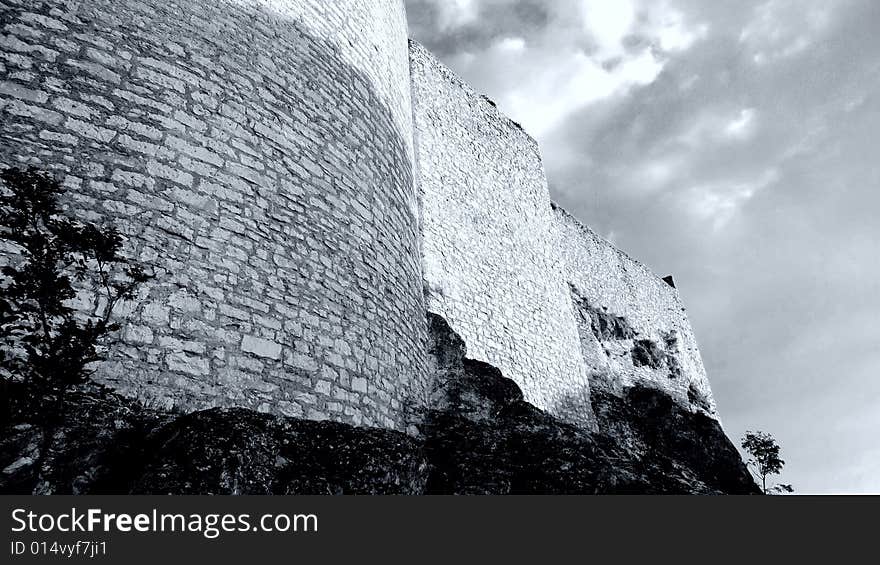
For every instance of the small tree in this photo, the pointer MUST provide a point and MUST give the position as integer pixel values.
(764, 460)
(50, 259)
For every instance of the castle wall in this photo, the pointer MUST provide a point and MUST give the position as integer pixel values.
(304, 184)
(490, 252)
(633, 326)
(258, 156)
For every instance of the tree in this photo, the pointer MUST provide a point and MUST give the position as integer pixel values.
(50, 260)
(764, 460)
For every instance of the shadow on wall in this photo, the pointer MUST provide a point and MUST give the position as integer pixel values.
(262, 179)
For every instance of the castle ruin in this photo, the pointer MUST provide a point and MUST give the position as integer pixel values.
(306, 183)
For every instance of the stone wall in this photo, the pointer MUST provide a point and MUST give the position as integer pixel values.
(634, 328)
(304, 183)
(490, 252)
(371, 36)
(257, 155)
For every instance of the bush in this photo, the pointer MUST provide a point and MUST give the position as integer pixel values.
(50, 260)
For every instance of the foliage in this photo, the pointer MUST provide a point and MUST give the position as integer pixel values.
(781, 489)
(764, 460)
(52, 260)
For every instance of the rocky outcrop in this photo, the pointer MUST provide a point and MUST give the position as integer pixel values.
(106, 444)
(242, 452)
(674, 447)
(482, 438)
(478, 437)
(93, 446)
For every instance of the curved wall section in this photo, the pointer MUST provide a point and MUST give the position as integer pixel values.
(258, 155)
(372, 36)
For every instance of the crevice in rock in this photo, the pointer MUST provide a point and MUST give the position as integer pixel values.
(646, 353)
(670, 340)
(605, 326)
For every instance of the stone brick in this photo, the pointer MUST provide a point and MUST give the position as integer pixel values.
(184, 302)
(359, 385)
(139, 334)
(304, 362)
(261, 347)
(189, 364)
(160, 170)
(155, 314)
(21, 109)
(75, 108)
(16, 90)
(59, 137)
(90, 131)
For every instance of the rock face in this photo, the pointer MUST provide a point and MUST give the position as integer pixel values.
(106, 444)
(478, 436)
(482, 438)
(262, 454)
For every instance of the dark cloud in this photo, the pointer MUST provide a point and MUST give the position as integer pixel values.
(746, 166)
(492, 20)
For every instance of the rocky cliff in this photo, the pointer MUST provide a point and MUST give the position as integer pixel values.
(477, 436)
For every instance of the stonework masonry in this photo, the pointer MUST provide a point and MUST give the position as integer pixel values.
(257, 154)
(305, 183)
(653, 344)
(490, 254)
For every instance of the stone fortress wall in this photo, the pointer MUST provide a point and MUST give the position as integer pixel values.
(258, 155)
(490, 255)
(526, 285)
(634, 328)
(305, 184)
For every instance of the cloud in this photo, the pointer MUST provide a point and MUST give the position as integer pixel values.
(718, 203)
(456, 13)
(783, 28)
(608, 24)
(741, 127)
(556, 57)
(733, 144)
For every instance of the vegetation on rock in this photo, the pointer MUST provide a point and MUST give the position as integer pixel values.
(51, 262)
(764, 460)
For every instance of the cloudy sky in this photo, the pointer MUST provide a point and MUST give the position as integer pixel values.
(734, 144)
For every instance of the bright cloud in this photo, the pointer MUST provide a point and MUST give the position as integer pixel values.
(584, 52)
(669, 27)
(555, 91)
(783, 28)
(512, 44)
(742, 126)
(457, 13)
(608, 23)
(718, 203)
(714, 126)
